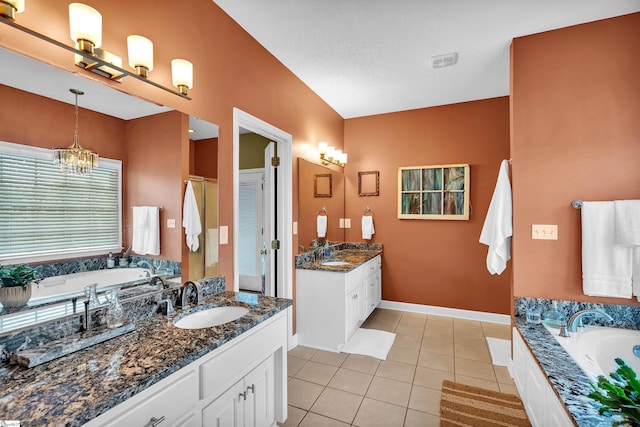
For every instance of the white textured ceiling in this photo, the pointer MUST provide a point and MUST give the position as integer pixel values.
(367, 57)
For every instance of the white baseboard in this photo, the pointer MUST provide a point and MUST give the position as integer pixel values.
(481, 316)
(292, 342)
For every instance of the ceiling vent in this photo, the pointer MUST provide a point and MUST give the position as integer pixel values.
(444, 60)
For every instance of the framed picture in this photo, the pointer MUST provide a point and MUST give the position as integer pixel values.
(434, 192)
(368, 183)
(322, 185)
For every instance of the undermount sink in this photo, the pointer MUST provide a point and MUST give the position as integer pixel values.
(210, 317)
(335, 263)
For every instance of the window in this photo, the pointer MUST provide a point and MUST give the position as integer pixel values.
(47, 215)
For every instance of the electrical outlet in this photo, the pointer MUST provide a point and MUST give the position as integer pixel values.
(224, 235)
(347, 223)
(544, 232)
(171, 223)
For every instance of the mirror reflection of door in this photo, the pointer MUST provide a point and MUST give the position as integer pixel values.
(256, 228)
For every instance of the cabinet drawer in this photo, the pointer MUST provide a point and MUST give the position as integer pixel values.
(162, 404)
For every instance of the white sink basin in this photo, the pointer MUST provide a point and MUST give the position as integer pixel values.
(210, 317)
(335, 263)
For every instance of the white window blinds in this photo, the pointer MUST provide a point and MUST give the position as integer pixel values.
(46, 214)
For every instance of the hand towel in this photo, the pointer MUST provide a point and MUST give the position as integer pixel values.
(321, 225)
(498, 224)
(606, 267)
(367, 227)
(146, 230)
(191, 219)
(627, 222)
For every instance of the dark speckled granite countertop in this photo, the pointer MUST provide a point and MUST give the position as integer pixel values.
(355, 258)
(74, 389)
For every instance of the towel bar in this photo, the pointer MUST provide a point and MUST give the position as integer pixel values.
(576, 204)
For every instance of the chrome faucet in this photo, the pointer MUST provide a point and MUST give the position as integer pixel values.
(170, 309)
(187, 289)
(576, 318)
(148, 264)
(159, 282)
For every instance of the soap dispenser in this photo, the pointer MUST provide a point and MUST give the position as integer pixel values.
(327, 250)
(553, 318)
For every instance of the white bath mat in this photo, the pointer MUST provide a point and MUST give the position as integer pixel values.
(500, 351)
(370, 342)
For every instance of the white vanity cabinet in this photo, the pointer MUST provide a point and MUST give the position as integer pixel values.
(542, 405)
(332, 305)
(241, 383)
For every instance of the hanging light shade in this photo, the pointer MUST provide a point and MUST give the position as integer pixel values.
(74, 159)
(85, 25)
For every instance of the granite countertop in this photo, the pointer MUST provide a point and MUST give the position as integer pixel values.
(76, 388)
(355, 257)
(569, 382)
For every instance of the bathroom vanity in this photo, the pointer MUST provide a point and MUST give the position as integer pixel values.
(334, 300)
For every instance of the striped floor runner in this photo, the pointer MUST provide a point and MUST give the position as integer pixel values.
(464, 405)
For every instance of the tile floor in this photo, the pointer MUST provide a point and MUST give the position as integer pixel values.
(339, 389)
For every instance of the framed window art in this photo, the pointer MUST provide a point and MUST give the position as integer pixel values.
(434, 192)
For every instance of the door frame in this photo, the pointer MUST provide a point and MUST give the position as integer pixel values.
(284, 220)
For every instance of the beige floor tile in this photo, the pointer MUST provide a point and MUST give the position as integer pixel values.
(294, 416)
(315, 420)
(473, 352)
(360, 363)
(476, 369)
(468, 327)
(351, 381)
(303, 394)
(432, 378)
(438, 334)
(396, 371)
(337, 404)
(315, 372)
(411, 331)
(373, 413)
(438, 347)
(381, 325)
(425, 400)
(415, 315)
(406, 341)
(421, 419)
(294, 364)
(404, 355)
(509, 388)
(477, 382)
(390, 391)
(436, 318)
(329, 358)
(436, 361)
(302, 352)
(471, 340)
(503, 375)
(415, 322)
(388, 315)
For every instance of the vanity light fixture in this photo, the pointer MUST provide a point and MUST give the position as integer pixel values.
(331, 155)
(85, 28)
(75, 160)
(9, 8)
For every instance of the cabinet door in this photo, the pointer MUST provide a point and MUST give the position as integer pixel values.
(226, 410)
(352, 305)
(259, 385)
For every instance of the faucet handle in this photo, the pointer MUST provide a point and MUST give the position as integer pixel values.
(564, 332)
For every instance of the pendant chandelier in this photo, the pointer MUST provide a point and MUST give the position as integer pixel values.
(75, 160)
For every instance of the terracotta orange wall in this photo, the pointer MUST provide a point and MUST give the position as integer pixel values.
(153, 175)
(576, 135)
(205, 162)
(231, 70)
(432, 262)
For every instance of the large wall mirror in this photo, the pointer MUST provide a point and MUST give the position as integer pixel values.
(315, 199)
(24, 81)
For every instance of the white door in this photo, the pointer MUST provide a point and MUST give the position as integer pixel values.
(269, 255)
(251, 228)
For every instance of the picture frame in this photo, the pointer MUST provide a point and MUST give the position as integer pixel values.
(368, 183)
(322, 185)
(434, 192)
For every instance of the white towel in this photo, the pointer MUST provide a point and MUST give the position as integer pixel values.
(321, 225)
(498, 224)
(606, 267)
(367, 227)
(191, 219)
(146, 230)
(627, 222)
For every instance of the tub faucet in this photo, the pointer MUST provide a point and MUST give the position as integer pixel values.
(148, 264)
(574, 320)
(187, 289)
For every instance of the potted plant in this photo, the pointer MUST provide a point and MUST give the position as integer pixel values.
(15, 284)
(619, 396)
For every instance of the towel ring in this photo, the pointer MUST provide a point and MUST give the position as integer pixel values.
(367, 211)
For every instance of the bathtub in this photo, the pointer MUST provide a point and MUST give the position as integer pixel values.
(595, 348)
(74, 284)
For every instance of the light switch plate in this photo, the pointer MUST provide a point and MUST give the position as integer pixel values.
(341, 223)
(295, 228)
(347, 223)
(171, 223)
(224, 235)
(544, 231)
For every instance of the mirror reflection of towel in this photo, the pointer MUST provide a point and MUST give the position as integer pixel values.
(367, 227)
(321, 225)
(191, 219)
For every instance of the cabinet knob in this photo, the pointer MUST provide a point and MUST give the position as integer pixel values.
(243, 395)
(153, 422)
(252, 387)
